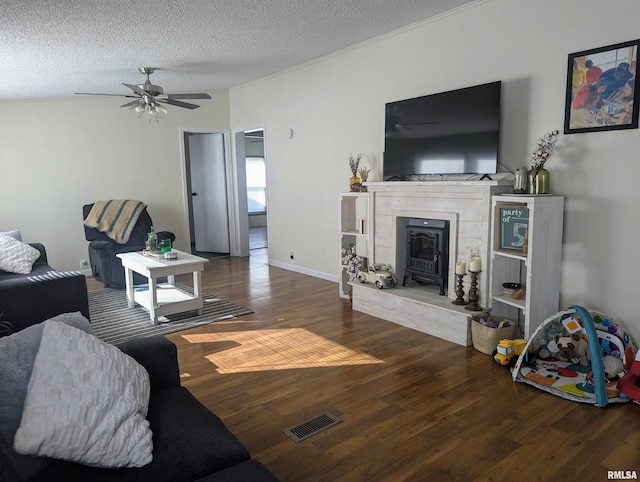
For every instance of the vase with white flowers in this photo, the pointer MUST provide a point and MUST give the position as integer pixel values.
(352, 262)
(539, 182)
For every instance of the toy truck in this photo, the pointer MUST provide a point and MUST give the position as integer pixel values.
(379, 274)
(507, 351)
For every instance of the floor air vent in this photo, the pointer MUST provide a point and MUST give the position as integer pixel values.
(312, 426)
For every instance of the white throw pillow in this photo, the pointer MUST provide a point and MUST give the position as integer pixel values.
(16, 256)
(17, 355)
(86, 402)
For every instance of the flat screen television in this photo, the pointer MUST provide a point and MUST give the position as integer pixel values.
(455, 132)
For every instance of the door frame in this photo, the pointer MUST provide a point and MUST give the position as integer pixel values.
(231, 191)
(241, 185)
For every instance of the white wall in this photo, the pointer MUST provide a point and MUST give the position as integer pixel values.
(336, 106)
(57, 155)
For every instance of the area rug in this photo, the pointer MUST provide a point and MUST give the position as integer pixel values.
(114, 322)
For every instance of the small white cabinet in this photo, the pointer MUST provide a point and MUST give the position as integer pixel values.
(537, 269)
(355, 226)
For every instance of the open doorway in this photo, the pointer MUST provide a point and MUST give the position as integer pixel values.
(256, 172)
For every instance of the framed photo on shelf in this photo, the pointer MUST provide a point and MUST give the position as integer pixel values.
(602, 89)
(514, 224)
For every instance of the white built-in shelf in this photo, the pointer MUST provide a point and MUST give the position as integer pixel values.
(507, 254)
(355, 226)
(538, 270)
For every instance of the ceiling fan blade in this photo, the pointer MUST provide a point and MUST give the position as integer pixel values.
(136, 89)
(177, 103)
(116, 95)
(129, 104)
(187, 96)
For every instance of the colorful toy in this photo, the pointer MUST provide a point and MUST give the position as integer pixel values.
(507, 350)
(571, 378)
(573, 348)
(629, 384)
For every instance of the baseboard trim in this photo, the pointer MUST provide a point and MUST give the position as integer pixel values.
(309, 272)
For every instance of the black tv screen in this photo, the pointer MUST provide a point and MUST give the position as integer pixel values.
(455, 132)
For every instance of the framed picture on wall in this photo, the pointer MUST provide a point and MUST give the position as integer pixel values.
(602, 89)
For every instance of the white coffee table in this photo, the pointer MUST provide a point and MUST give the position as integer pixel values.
(163, 299)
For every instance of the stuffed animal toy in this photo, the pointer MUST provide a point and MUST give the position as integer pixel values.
(613, 367)
(544, 353)
(548, 338)
(574, 348)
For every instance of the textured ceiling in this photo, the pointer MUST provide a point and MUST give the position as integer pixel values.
(58, 47)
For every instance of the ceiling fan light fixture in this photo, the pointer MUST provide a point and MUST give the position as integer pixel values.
(155, 112)
(160, 110)
(137, 110)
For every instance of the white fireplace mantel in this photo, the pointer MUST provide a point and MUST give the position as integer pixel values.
(467, 207)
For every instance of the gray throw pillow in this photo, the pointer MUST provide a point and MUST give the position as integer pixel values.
(15, 234)
(17, 354)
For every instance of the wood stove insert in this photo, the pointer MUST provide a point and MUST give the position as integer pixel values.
(427, 252)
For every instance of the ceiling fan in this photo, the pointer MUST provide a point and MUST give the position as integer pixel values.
(149, 98)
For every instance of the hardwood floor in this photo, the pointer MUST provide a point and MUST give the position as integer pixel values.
(414, 407)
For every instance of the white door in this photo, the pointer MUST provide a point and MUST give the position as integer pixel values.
(209, 198)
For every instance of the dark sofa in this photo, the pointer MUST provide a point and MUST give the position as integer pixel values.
(189, 442)
(26, 300)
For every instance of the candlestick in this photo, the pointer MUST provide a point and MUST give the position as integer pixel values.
(473, 291)
(459, 291)
(461, 268)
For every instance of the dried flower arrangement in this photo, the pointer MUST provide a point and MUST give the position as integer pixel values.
(352, 261)
(364, 173)
(544, 148)
(354, 162)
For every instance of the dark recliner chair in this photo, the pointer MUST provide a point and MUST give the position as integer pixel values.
(106, 267)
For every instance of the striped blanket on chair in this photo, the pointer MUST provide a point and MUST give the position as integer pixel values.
(115, 217)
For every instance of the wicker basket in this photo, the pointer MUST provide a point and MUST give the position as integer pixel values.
(485, 339)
